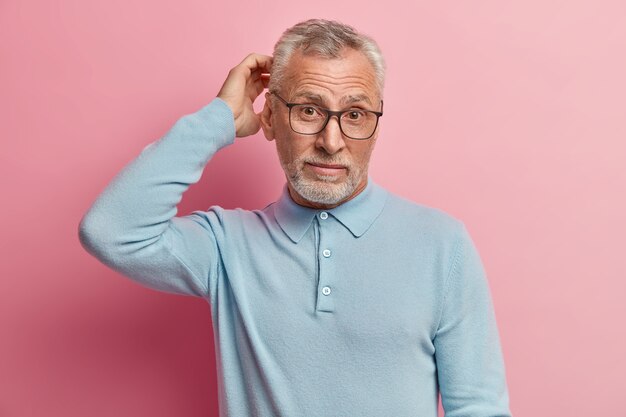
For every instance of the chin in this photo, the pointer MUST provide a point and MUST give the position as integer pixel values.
(323, 190)
(329, 179)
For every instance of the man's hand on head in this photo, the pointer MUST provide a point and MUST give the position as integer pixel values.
(244, 84)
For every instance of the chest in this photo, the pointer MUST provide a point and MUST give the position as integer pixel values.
(333, 285)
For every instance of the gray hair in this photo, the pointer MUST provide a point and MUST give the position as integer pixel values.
(327, 39)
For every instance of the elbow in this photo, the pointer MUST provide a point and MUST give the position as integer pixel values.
(92, 235)
(86, 234)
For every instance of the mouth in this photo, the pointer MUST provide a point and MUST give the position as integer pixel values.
(326, 169)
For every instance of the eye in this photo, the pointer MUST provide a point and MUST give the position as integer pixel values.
(308, 112)
(354, 115)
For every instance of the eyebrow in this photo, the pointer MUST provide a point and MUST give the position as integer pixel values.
(344, 101)
(308, 96)
(356, 99)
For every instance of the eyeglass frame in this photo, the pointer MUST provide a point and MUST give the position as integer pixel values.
(329, 114)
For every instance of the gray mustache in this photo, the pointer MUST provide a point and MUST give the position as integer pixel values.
(326, 161)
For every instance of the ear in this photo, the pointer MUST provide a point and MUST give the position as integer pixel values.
(266, 119)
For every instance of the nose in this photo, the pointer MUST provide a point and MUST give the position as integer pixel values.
(331, 139)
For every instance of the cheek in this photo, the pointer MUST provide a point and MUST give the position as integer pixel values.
(283, 151)
(286, 149)
(363, 153)
(291, 147)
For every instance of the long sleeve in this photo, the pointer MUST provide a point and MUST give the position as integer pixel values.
(470, 366)
(131, 226)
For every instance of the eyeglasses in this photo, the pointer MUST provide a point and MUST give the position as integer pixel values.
(309, 119)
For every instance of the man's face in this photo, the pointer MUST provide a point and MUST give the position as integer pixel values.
(326, 169)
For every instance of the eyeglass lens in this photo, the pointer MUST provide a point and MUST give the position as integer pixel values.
(307, 119)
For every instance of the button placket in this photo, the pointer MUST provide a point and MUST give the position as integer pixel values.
(325, 298)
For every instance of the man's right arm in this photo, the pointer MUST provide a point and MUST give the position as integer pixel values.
(132, 228)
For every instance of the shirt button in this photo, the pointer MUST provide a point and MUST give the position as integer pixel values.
(323, 215)
(326, 290)
(326, 253)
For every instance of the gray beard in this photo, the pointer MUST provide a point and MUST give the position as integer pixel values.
(322, 190)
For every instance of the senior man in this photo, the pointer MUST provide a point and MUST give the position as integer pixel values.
(339, 299)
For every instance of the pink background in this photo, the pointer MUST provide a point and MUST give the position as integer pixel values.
(508, 115)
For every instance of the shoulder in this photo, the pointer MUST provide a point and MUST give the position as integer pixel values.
(235, 219)
(428, 220)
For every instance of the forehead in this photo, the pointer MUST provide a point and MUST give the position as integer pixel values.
(350, 77)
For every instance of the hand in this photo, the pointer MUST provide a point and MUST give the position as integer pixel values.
(244, 84)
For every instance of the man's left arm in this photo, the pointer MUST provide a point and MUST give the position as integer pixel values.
(470, 366)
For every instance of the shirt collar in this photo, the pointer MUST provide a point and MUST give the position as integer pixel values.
(357, 215)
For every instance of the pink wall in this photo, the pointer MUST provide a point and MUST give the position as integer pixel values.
(508, 115)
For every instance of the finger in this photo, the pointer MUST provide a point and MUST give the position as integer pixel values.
(256, 85)
(254, 62)
(265, 80)
(255, 89)
(258, 75)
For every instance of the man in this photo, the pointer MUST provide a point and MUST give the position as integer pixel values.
(339, 299)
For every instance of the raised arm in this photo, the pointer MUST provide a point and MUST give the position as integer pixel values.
(131, 226)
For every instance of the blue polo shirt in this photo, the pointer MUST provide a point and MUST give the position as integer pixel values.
(368, 309)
